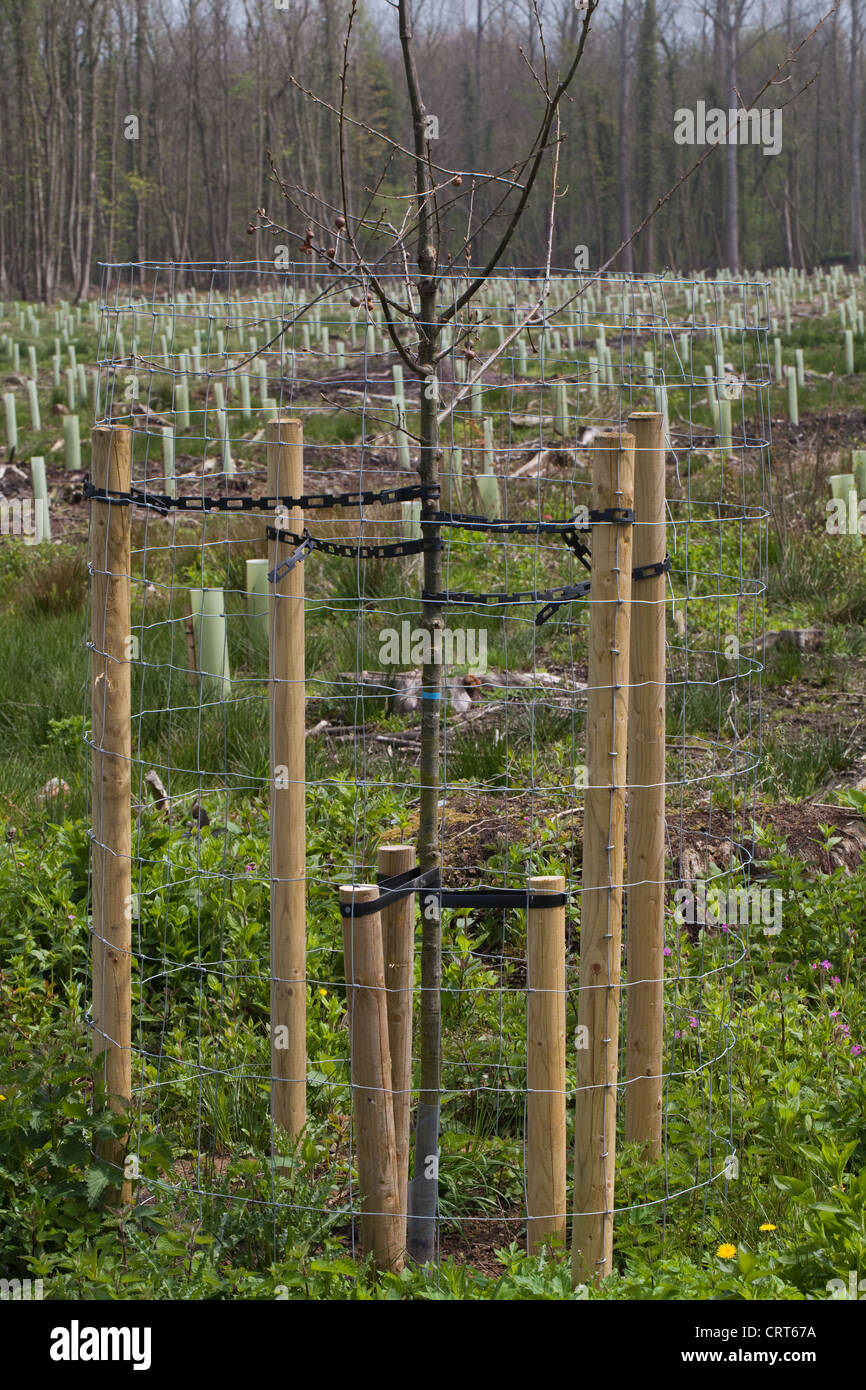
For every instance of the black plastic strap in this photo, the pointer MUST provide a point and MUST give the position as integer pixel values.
(135, 497)
(519, 528)
(641, 572)
(316, 501)
(567, 529)
(549, 609)
(394, 889)
(353, 550)
(652, 571)
(621, 516)
(303, 550)
(582, 551)
(522, 596)
(501, 897)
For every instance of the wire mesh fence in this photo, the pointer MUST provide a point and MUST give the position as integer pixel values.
(536, 376)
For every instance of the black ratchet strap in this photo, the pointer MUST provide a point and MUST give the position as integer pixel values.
(394, 889)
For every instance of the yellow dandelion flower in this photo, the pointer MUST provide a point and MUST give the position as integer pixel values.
(726, 1252)
(323, 991)
(767, 1226)
(2, 1097)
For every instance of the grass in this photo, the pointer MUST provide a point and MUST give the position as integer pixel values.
(796, 766)
(202, 994)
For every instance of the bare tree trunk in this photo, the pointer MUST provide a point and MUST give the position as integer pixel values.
(624, 181)
(732, 187)
(857, 249)
(424, 1189)
(94, 45)
(141, 247)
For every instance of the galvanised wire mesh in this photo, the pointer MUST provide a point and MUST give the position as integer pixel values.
(195, 359)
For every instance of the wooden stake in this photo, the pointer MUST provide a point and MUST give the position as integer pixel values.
(398, 942)
(191, 658)
(646, 796)
(288, 794)
(603, 856)
(382, 1226)
(545, 1079)
(112, 782)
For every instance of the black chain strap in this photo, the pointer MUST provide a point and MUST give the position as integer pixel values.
(306, 544)
(316, 501)
(570, 591)
(652, 571)
(304, 549)
(520, 528)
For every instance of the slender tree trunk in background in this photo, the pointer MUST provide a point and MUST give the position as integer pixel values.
(671, 170)
(481, 145)
(647, 141)
(624, 180)
(816, 207)
(209, 81)
(82, 289)
(333, 14)
(857, 249)
(226, 163)
(839, 224)
(793, 249)
(78, 60)
(141, 247)
(114, 125)
(790, 257)
(732, 189)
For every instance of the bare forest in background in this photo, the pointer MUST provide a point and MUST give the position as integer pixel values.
(215, 85)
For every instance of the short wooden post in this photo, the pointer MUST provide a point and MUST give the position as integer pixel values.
(545, 1069)
(382, 1226)
(189, 625)
(112, 780)
(398, 942)
(646, 796)
(603, 860)
(288, 794)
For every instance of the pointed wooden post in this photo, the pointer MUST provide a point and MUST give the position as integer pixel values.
(646, 796)
(288, 794)
(545, 1069)
(372, 1097)
(398, 942)
(112, 779)
(603, 864)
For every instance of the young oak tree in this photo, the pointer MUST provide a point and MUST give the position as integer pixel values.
(447, 212)
(417, 324)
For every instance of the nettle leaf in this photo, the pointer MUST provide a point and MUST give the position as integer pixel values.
(73, 1151)
(96, 1180)
(105, 1127)
(337, 1266)
(157, 1148)
(171, 1245)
